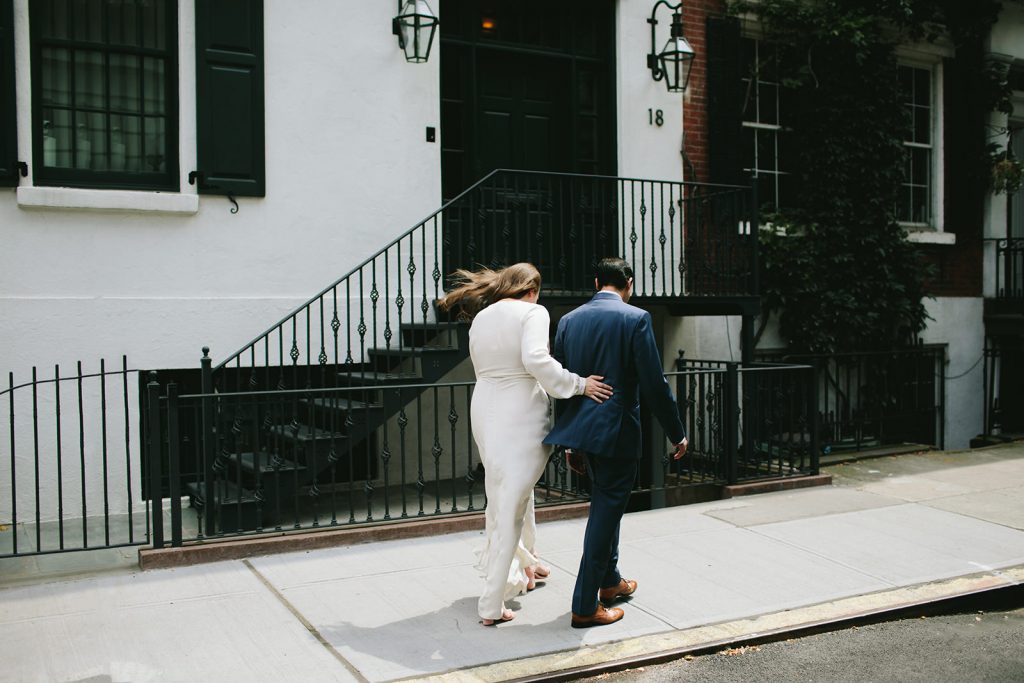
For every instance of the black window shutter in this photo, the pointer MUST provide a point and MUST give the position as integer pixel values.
(229, 97)
(725, 100)
(8, 123)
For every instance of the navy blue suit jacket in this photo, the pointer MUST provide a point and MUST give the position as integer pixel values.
(608, 337)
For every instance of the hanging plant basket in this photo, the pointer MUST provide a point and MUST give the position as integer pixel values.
(1007, 174)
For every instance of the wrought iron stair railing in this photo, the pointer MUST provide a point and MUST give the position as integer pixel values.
(378, 325)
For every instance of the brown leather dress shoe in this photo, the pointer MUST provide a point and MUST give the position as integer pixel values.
(602, 617)
(625, 588)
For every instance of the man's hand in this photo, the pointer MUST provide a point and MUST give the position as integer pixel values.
(681, 449)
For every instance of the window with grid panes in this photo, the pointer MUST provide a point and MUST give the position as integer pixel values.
(765, 138)
(104, 87)
(914, 204)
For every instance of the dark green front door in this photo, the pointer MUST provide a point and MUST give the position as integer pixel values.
(528, 85)
(523, 115)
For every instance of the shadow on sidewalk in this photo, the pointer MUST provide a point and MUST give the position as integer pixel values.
(446, 639)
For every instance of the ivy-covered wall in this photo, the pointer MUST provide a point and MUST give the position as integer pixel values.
(843, 276)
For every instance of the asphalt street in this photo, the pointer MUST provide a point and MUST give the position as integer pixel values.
(979, 646)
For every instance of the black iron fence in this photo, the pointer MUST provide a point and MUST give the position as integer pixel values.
(69, 481)
(763, 421)
(683, 239)
(875, 399)
(328, 457)
(1003, 386)
(1009, 268)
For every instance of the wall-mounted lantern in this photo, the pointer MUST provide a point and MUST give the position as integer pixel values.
(675, 60)
(415, 26)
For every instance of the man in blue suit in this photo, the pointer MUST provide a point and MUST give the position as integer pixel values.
(610, 338)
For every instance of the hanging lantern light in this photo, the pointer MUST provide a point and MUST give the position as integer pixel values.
(675, 60)
(415, 26)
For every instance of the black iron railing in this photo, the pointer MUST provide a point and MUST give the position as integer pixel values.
(319, 458)
(1009, 268)
(762, 420)
(69, 481)
(876, 399)
(1003, 386)
(683, 239)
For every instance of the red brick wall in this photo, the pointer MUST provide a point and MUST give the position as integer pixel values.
(956, 268)
(695, 106)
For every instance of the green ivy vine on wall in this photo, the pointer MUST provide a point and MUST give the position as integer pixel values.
(837, 268)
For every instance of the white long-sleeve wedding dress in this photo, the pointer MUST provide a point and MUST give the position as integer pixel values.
(515, 373)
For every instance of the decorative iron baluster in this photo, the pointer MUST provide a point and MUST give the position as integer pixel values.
(385, 458)
(633, 237)
(127, 449)
(60, 470)
(35, 450)
(399, 299)
(348, 322)
(421, 485)
(14, 472)
(453, 419)
(335, 326)
(662, 239)
(294, 352)
(403, 422)
(81, 457)
(470, 479)
(322, 357)
(368, 487)
(361, 329)
(332, 452)
(436, 451)
(424, 306)
(374, 298)
(643, 239)
(672, 232)
(387, 303)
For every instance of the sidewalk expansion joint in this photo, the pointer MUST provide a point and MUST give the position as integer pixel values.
(305, 622)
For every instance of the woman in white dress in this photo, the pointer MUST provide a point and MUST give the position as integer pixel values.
(515, 373)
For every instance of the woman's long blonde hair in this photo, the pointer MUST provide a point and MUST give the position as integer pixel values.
(474, 291)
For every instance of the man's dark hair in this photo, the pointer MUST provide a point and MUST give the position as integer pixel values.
(613, 271)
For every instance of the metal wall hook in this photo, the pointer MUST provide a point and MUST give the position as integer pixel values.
(234, 209)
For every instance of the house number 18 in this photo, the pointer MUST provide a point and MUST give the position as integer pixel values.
(655, 117)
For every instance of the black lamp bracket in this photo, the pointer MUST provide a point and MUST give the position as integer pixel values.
(677, 30)
(396, 29)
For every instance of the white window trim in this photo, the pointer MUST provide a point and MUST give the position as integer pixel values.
(929, 233)
(185, 201)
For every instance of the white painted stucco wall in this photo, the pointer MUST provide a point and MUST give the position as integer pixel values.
(645, 150)
(959, 323)
(347, 168)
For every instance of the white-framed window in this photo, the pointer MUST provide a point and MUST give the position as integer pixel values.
(765, 142)
(916, 205)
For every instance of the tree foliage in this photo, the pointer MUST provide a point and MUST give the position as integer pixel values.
(843, 277)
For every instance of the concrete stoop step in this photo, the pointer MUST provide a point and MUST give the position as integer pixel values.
(663, 647)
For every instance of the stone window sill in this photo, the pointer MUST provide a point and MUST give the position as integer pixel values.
(930, 237)
(107, 200)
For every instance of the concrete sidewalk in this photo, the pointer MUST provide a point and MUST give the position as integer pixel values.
(892, 531)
